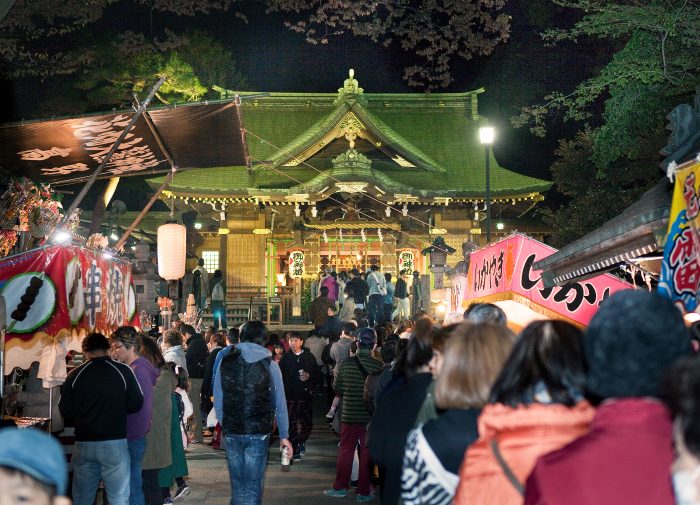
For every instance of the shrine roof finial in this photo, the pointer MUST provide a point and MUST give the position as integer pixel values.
(350, 86)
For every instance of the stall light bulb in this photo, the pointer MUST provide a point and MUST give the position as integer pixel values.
(62, 236)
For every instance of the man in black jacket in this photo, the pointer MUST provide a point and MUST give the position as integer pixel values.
(196, 357)
(358, 287)
(96, 398)
(300, 373)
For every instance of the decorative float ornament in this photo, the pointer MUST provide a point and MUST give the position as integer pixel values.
(97, 241)
(296, 264)
(166, 306)
(406, 261)
(8, 239)
(172, 241)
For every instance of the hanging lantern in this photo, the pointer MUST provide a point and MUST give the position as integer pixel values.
(171, 251)
(296, 264)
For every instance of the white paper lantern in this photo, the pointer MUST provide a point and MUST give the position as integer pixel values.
(172, 241)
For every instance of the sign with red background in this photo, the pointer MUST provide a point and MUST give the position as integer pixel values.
(503, 271)
(82, 290)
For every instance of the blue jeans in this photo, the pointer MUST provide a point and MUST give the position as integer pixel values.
(375, 308)
(246, 456)
(137, 448)
(106, 460)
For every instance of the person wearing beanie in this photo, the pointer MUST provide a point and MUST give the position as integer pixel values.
(34, 476)
(350, 385)
(625, 457)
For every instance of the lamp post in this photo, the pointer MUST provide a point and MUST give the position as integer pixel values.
(486, 136)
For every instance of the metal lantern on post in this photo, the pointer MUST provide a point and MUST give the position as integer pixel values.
(172, 242)
(438, 252)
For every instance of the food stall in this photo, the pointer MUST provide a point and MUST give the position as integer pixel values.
(502, 273)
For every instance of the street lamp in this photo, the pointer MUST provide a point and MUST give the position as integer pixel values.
(486, 136)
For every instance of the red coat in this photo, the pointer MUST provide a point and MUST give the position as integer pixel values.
(624, 459)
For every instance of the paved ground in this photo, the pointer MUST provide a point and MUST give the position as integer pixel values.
(304, 484)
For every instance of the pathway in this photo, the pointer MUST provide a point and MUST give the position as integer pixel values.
(303, 485)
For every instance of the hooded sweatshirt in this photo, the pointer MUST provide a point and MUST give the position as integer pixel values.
(252, 353)
(139, 423)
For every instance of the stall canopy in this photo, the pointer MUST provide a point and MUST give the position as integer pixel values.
(202, 135)
(64, 292)
(503, 273)
(637, 232)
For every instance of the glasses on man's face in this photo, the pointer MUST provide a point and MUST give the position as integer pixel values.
(116, 347)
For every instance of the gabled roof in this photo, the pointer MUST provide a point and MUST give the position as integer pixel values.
(427, 142)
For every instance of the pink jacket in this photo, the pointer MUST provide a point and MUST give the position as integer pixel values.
(332, 286)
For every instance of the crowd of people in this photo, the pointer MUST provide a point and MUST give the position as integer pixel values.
(466, 412)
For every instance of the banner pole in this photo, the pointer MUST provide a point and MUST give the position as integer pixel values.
(103, 164)
(145, 210)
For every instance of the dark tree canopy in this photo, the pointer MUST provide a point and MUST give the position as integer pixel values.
(439, 33)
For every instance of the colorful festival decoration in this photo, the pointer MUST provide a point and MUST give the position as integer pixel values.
(296, 264)
(680, 270)
(29, 208)
(503, 272)
(81, 291)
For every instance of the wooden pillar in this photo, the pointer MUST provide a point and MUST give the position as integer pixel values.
(223, 256)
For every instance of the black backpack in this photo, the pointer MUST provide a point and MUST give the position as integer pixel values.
(248, 395)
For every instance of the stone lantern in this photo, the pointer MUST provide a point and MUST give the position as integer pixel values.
(438, 252)
(145, 276)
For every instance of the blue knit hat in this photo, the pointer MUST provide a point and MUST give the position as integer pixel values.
(36, 454)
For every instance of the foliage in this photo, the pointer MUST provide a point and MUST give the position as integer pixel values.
(654, 69)
(595, 197)
(192, 63)
(439, 33)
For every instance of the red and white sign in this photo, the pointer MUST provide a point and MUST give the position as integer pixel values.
(81, 291)
(502, 273)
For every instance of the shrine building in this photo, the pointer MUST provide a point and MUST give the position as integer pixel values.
(347, 180)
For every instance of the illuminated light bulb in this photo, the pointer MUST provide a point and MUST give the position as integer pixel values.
(387, 211)
(314, 211)
(297, 210)
(197, 225)
(404, 210)
(62, 236)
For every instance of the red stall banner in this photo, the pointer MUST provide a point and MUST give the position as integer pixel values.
(63, 291)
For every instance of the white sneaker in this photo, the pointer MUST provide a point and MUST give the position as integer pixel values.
(330, 414)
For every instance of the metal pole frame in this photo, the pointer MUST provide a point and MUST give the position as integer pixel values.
(103, 164)
(488, 193)
(168, 179)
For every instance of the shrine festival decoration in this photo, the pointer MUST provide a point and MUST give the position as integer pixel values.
(76, 291)
(503, 273)
(680, 270)
(296, 264)
(172, 241)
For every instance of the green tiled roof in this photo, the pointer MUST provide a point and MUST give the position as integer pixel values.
(438, 133)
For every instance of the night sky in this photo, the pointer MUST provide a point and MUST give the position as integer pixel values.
(273, 58)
